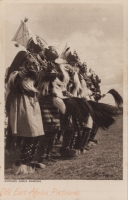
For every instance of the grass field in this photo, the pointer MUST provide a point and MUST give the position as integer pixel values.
(102, 162)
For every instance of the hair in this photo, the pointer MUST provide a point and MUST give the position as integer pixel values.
(17, 63)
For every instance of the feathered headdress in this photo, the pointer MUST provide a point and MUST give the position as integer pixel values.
(69, 55)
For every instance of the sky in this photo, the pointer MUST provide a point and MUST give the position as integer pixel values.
(95, 31)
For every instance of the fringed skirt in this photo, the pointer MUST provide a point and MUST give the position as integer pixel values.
(50, 114)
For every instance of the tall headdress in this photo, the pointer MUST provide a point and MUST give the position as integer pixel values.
(25, 37)
(23, 34)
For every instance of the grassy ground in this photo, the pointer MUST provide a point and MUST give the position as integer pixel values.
(102, 162)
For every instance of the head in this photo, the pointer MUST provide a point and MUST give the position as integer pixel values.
(95, 80)
(76, 67)
(89, 73)
(72, 57)
(35, 45)
(51, 53)
(84, 68)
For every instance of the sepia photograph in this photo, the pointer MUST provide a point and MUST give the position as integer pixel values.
(63, 100)
(63, 92)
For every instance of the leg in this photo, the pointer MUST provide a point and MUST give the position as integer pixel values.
(14, 143)
(93, 134)
(46, 146)
(59, 134)
(78, 142)
(43, 145)
(19, 142)
(85, 138)
(9, 137)
(68, 144)
(28, 150)
(51, 140)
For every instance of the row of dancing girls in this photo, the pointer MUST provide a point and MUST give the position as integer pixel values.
(62, 91)
(45, 97)
(38, 118)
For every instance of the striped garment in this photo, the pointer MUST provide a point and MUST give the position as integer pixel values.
(50, 114)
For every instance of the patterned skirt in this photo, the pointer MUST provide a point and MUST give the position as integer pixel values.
(50, 114)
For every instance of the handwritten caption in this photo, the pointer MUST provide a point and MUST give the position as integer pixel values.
(35, 192)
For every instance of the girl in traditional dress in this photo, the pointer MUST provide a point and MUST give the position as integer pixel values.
(50, 113)
(25, 116)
